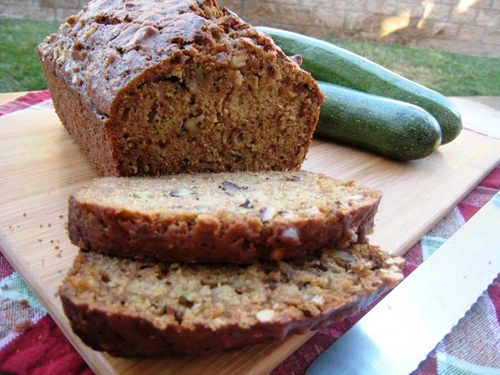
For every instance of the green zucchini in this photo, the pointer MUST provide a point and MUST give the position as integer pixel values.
(386, 126)
(329, 63)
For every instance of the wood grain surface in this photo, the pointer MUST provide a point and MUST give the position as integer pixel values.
(41, 166)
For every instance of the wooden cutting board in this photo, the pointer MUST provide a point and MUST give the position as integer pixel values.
(41, 166)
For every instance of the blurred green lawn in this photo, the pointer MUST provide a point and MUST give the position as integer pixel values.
(448, 73)
(19, 66)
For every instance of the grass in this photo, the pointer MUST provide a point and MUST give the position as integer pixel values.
(19, 66)
(448, 73)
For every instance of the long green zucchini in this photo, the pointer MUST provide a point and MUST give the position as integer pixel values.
(386, 126)
(329, 63)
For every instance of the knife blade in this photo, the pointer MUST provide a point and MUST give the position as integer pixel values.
(405, 326)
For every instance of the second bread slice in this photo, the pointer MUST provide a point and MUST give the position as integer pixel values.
(223, 217)
(149, 309)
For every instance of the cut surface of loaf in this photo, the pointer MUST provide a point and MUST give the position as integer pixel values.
(157, 87)
(132, 308)
(221, 217)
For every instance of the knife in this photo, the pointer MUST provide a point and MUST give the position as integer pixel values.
(405, 326)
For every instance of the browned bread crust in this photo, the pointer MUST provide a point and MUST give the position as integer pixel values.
(130, 308)
(221, 217)
(148, 87)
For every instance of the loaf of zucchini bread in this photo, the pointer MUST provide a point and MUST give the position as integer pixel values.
(136, 309)
(221, 217)
(158, 87)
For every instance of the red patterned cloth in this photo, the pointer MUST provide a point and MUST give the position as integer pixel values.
(32, 100)
(31, 343)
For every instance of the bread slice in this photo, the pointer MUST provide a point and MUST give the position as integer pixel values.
(222, 217)
(151, 87)
(133, 308)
